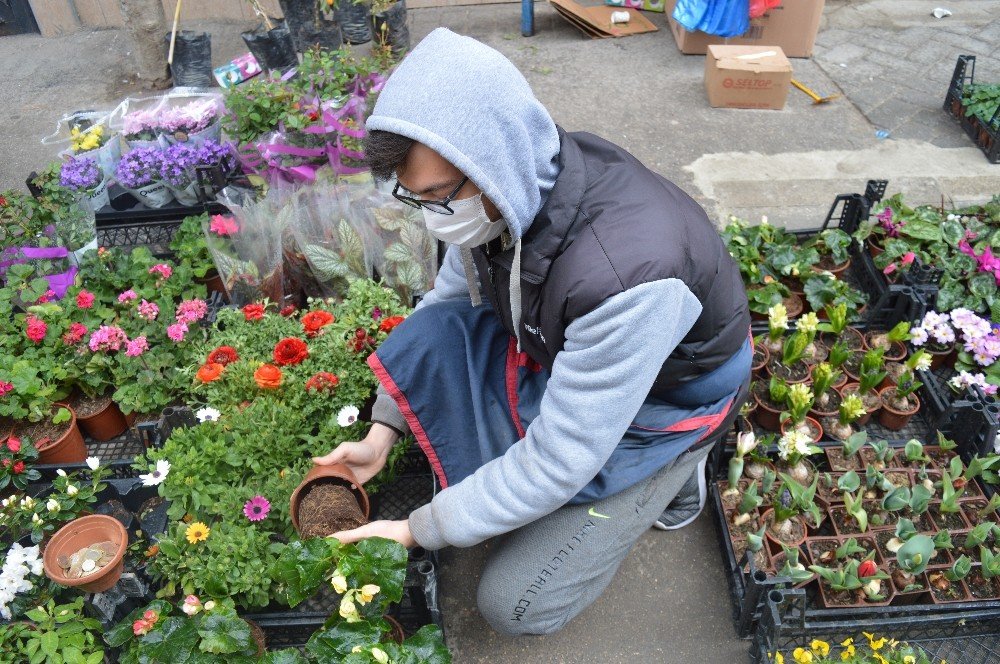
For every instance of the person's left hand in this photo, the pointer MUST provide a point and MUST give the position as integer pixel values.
(394, 530)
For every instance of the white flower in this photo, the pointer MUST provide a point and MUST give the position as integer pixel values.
(808, 322)
(61, 473)
(923, 362)
(380, 656)
(35, 518)
(207, 414)
(348, 611)
(157, 475)
(93, 463)
(918, 336)
(339, 583)
(763, 220)
(191, 609)
(347, 416)
(72, 490)
(777, 316)
(745, 443)
(27, 502)
(209, 605)
(53, 505)
(793, 442)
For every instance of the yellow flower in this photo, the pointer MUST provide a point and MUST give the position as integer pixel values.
(348, 611)
(802, 656)
(197, 532)
(356, 649)
(909, 659)
(779, 658)
(367, 592)
(849, 649)
(339, 583)
(820, 647)
(380, 655)
(847, 642)
(877, 644)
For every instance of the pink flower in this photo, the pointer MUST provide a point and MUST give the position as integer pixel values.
(46, 297)
(889, 269)
(190, 311)
(36, 329)
(177, 331)
(162, 269)
(85, 299)
(136, 347)
(5, 388)
(128, 296)
(257, 508)
(223, 225)
(148, 310)
(908, 258)
(108, 338)
(75, 333)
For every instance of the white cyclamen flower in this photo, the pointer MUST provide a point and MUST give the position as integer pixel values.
(157, 475)
(93, 463)
(207, 414)
(347, 416)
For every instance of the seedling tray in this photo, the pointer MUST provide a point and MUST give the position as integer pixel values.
(986, 135)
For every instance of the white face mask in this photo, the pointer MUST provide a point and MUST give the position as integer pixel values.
(469, 227)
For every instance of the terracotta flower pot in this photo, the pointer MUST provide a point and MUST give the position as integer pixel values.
(81, 533)
(774, 544)
(338, 473)
(767, 416)
(794, 305)
(395, 633)
(872, 405)
(213, 283)
(895, 353)
(894, 419)
(816, 427)
(761, 356)
(68, 448)
(106, 424)
(875, 249)
(940, 357)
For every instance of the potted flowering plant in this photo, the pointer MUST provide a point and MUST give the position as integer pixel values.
(25, 585)
(794, 448)
(770, 398)
(194, 123)
(851, 409)
(83, 176)
(799, 402)
(777, 325)
(141, 128)
(935, 334)
(785, 523)
(140, 172)
(871, 377)
(178, 169)
(832, 246)
(72, 494)
(17, 456)
(918, 361)
(891, 342)
(899, 402)
(826, 400)
(189, 246)
(853, 584)
(835, 328)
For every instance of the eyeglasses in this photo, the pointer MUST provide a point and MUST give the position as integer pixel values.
(441, 206)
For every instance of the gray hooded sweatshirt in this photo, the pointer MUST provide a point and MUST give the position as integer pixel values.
(472, 106)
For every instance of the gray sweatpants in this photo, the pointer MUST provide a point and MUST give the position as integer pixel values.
(541, 576)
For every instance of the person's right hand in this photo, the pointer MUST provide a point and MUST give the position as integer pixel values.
(364, 458)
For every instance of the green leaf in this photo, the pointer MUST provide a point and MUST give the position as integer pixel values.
(376, 560)
(49, 643)
(301, 568)
(175, 641)
(919, 229)
(397, 252)
(287, 656)
(327, 264)
(336, 643)
(223, 632)
(983, 285)
(389, 218)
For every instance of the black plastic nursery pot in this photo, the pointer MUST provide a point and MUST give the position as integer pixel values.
(192, 65)
(310, 26)
(274, 48)
(355, 21)
(986, 134)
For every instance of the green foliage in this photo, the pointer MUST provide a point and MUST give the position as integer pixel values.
(960, 569)
(61, 635)
(981, 101)
(824, 290)
(915, 554)
(71, 495)
(189, 245)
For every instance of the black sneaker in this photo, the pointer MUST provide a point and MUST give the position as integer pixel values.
(688, 503)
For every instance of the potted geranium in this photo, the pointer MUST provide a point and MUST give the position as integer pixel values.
(139, 172)
(189, 246)
(84, 176)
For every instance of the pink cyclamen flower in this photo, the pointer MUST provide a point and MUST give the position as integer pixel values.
(108, 337)
(908, 258)
(136, 347)
(128, 296)
(223, 225)
(190, 311)
(5, 388)
(36, 329)
(148, 310)
(162, 269)
(177, 331)
(85, 299)
(889, 269)
(257, 508)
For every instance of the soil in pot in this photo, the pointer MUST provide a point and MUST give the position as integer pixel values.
(843, 522)
(940, 458)
(835, 457)
(830, 495)
(740, 532)
(792, 534)
(768, 413)
(760, 557)
(854, 339)
(947, 520)
(826, 263)
(99, 417)
(732, 501)
(835, 430)
(852, 598)
(971, 509)
(328, 508)
(6, 428)
(893, 370)
(869, 458)
(852, 366)
(798, 373)
(979, 587)
(760, 358)
(894, 352)
(827, 405)
(943, 590)
(896, 412)
(901, 581)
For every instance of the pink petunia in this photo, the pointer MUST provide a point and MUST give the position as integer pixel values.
(177, 331)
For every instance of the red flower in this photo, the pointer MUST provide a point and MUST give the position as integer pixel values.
(268, 377)
(36, 329)
(288, 310)
(14, 444)
(5, 388)
(48, 296)
(290, 351)
(389, 323)
(867, 568)
(223, 355)
(18, 468)
(84, 299)
(6, 463)
(253, 311)
(209, 372)
(324, 381)
(314, 321)
(75, 333)
(3, 201)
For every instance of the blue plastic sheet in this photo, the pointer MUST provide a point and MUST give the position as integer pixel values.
(724, 18)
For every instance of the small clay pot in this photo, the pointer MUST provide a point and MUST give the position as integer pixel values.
(68, 448)
(213, 283)
(774, 544)
(893, 419)
(105, 425)
(896, 352)
(337, 472)
(793, 305)
(939, 357)
(816, 427)
(78, 534)
(761, 356)
(767, 416)
(852, 388)
(836, 270)
(395, 633)
(875, 249)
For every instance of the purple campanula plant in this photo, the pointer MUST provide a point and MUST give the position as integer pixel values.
(181, 159)
(139, 167)
(80, 174)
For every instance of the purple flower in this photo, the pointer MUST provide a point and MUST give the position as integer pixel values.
(257, 508)
(80, 173)
(181, 160)
(139, 167)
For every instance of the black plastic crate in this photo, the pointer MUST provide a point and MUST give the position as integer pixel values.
(986, 135)
(117, 453)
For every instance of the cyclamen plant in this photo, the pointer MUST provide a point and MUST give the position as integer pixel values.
(140, 167)
(80, 174)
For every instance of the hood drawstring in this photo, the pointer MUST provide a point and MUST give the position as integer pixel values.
(515, 292)
(469, 267)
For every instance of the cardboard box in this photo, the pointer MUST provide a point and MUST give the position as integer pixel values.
(747, 77)
(792, 26)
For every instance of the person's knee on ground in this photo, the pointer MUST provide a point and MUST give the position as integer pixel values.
(509, 611)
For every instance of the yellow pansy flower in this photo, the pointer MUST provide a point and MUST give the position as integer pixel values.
(909, 659)
(820, 647)
(802, 656)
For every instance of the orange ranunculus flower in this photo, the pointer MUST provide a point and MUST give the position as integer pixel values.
(388, 323)
(209, 372)
(313, 321)
(268, 377)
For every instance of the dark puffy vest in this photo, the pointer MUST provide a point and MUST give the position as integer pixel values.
(611, 224)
